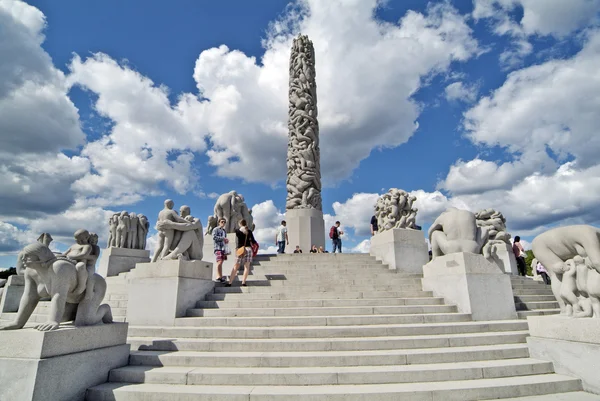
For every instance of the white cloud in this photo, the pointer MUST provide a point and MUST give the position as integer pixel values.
(557, 18)
(459, 91)
(542, 17)
(365, 84)
(477, 175)
(12, 239)
(363, 247)
(266, 219)
(356, 212)
(151, 141)
(37, 119)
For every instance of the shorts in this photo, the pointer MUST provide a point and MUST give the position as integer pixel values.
(221, 256)
(246, 257)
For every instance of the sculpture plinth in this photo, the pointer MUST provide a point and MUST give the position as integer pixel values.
(60, 364)
(306, 228)
(121, 260)
(403, 250)
(471, 282)
(162, 291)
(13, 291)
(573, 345)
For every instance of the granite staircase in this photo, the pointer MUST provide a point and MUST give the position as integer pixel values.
(330, 327)
(533, 298)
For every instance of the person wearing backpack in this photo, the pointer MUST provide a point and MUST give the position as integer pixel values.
(243, 252)
(335, 233)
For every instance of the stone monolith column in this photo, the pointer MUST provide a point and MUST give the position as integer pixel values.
(304, 214)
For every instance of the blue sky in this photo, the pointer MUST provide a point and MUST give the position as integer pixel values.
(470, 103)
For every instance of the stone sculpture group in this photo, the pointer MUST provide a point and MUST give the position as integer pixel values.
(495, 223)
(232, 207)
(456, 230)
(394, 210)
(69, 280)
(571, 255)
(303, 154)
(127, 230)
(179, 236)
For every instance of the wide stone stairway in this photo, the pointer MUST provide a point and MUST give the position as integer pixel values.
(533, 298)
(330, 327)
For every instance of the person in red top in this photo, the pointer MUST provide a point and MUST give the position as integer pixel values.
(519, 255)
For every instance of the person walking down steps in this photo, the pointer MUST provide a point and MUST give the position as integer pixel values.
(243, 252)
(541, 270)
(335, 233)
(519, 255)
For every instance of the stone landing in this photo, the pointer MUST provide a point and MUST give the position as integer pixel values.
(60, 364)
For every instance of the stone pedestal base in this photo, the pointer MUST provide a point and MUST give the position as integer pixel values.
(120, 260)
(573, 345)
(61, 364)
(11, 296)
(473, 284)
(505, 259)
(306, 228)
(162, 291)
(209, 254)
(401, 249)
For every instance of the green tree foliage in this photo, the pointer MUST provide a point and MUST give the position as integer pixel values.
(8, 272)
(528, 259)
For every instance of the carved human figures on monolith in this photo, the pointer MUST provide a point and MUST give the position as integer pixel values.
(303, 158)
(571, 255)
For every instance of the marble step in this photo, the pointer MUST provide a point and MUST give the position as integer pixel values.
(378, 330)
(322, 311)
(532, 292)
(317, 287)
(522, 314)
(269, 321)
(523, 306)
(281, 280)
(312, 303)
(534, 298)
(331, 375)
(326, 344)
(346, 294)
(572, 396)
(459, 390)
(329, 358)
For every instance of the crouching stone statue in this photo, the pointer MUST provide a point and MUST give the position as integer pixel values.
(56, 277)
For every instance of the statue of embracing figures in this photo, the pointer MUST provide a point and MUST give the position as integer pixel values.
(50, 276)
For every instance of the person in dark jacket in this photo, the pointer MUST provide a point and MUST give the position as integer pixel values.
(245, 239)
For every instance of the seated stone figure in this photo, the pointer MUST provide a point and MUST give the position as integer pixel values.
(49, 276)
(454, 231)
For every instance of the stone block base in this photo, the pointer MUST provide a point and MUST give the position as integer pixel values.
(505, 259)
(61, 364)
(306, 228)
(401, 249)
(11, 296)
(473, 284)
(209, 254)
(573, 345)
(119, 260)
(160, 292)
